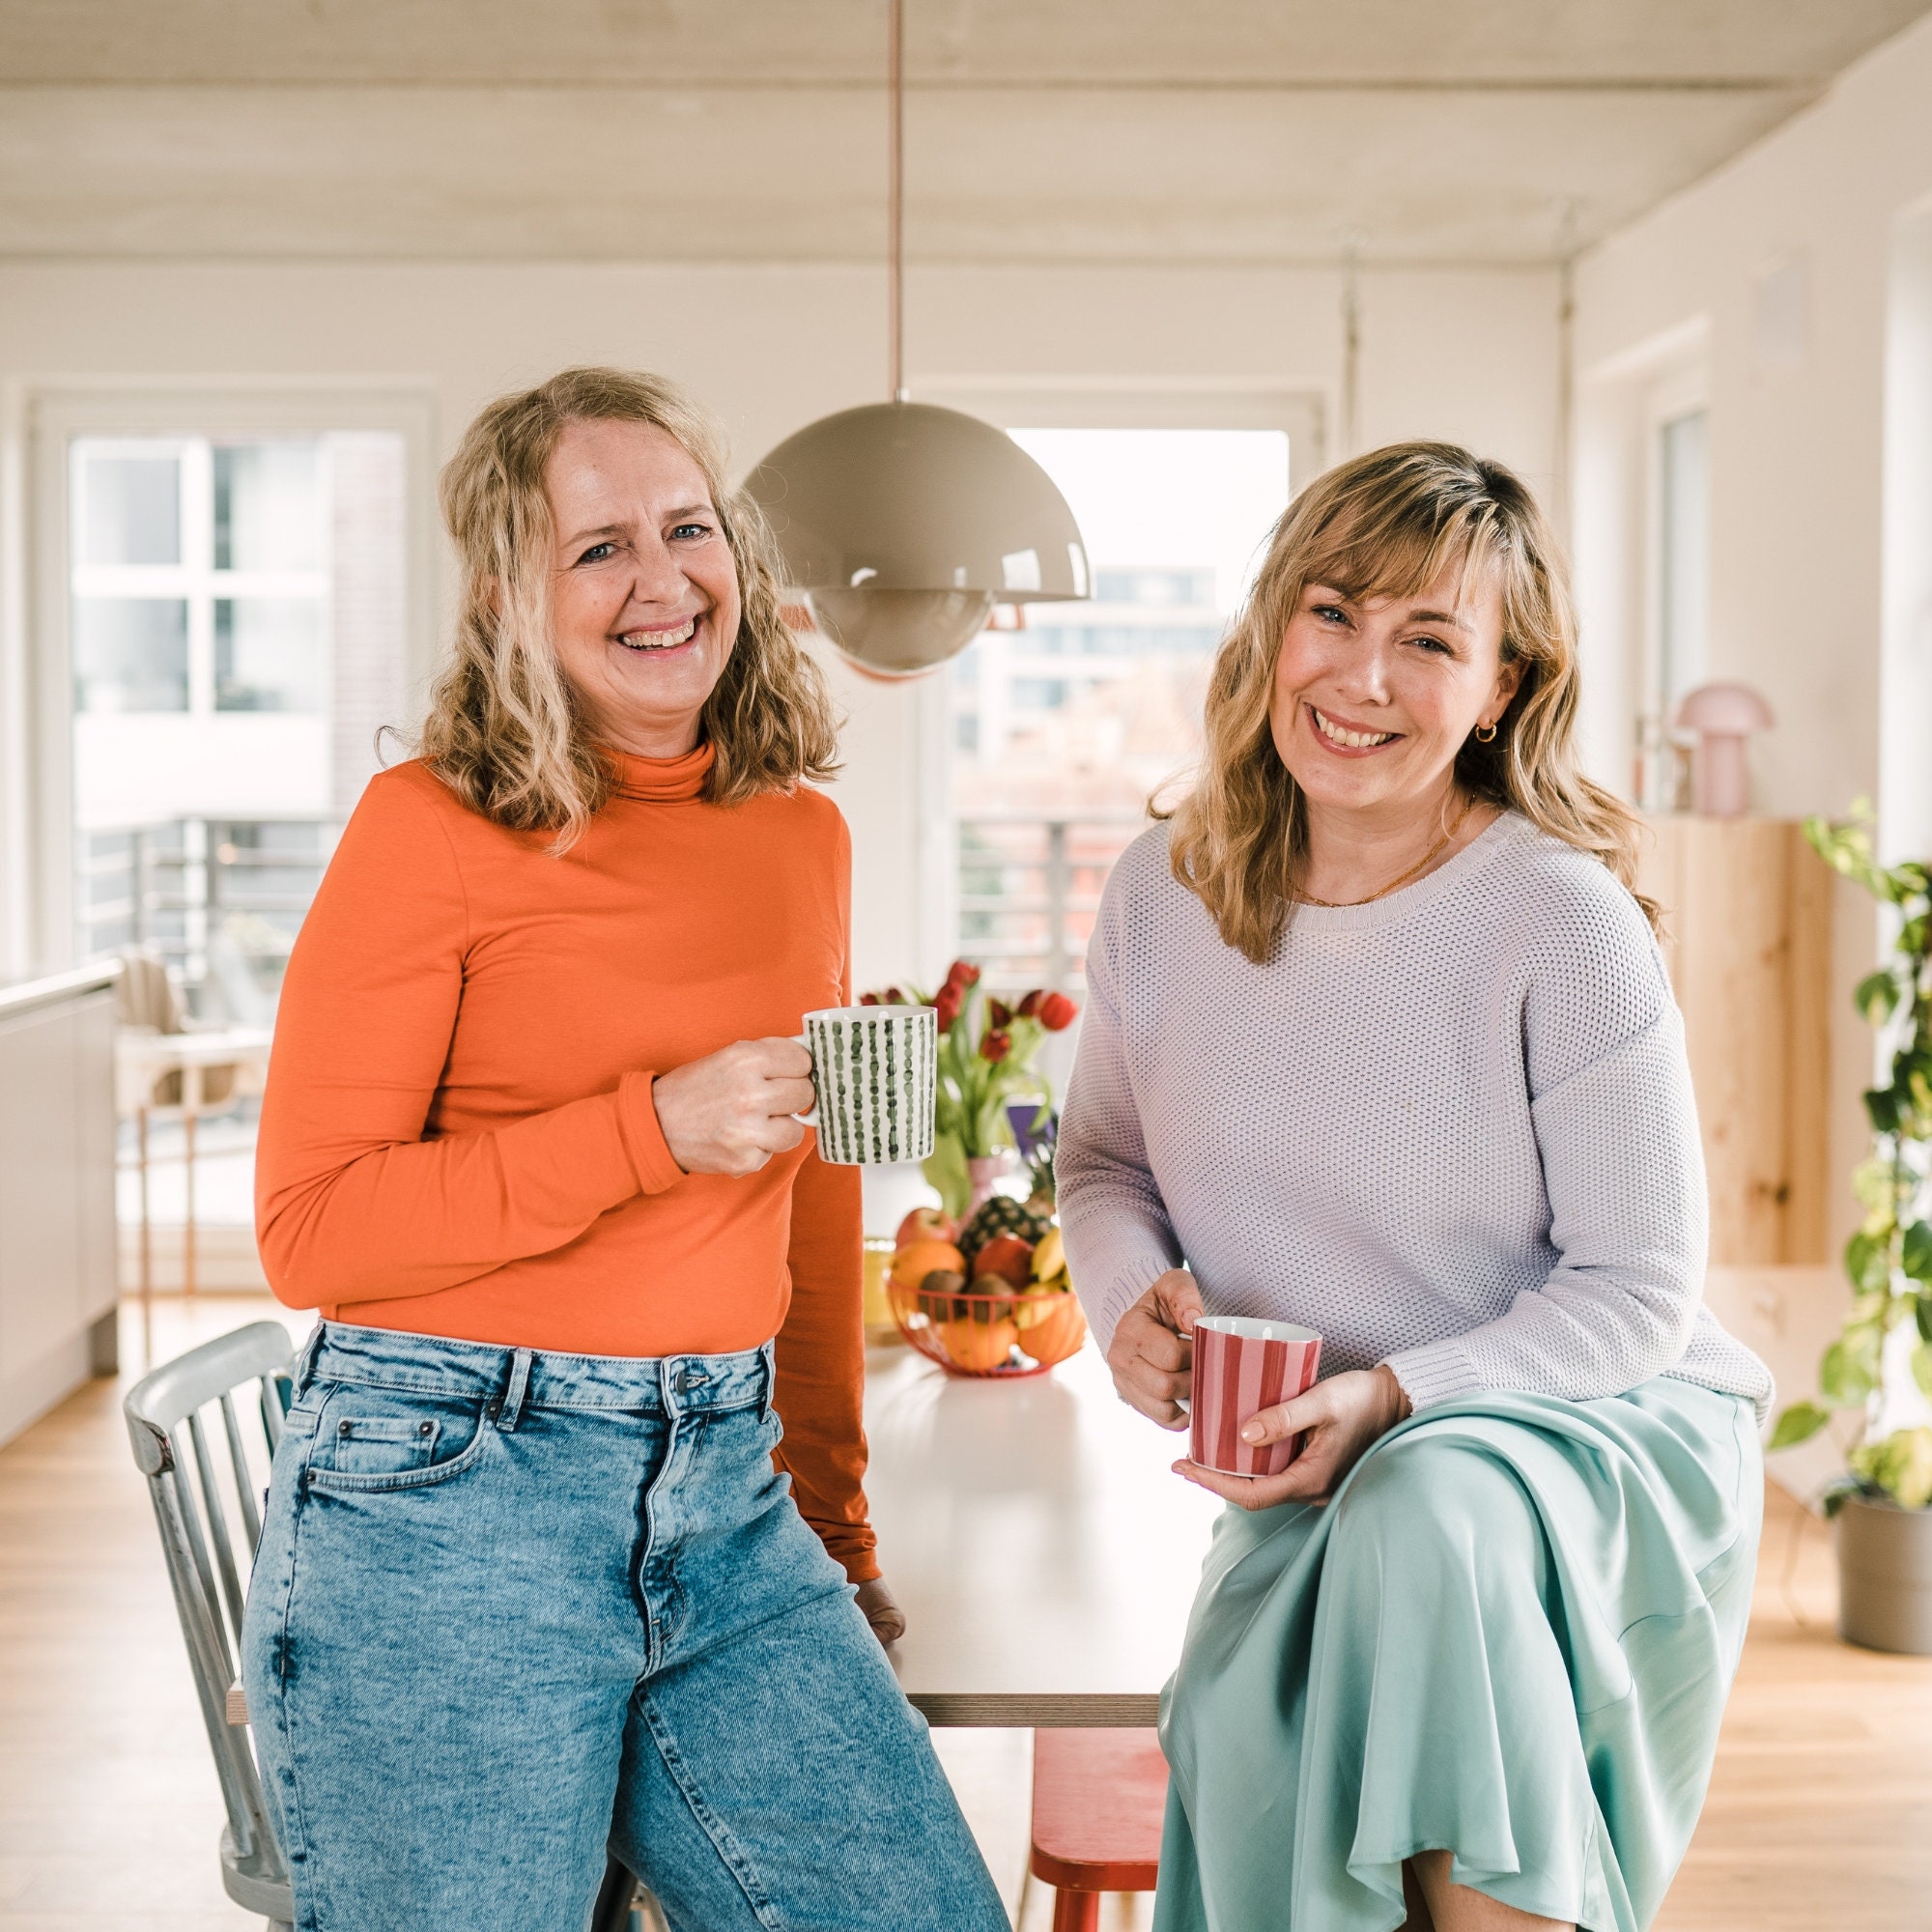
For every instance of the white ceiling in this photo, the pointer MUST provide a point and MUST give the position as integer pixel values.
(1088, 130)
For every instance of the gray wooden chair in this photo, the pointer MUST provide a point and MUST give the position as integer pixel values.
(209, 1564)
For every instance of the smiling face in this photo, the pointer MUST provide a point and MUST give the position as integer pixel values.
(1374, 697)
(644, 584)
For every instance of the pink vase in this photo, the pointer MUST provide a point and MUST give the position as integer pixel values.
(982, 1169)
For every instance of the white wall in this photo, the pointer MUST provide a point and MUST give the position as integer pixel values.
(1796, 285)
(1467, 355)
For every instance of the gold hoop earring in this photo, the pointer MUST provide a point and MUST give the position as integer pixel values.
(1486, 733)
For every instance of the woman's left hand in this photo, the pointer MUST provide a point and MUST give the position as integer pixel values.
(1342, 1415)
(881, 1610)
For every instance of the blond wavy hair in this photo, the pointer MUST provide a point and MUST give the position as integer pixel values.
(1388, 525)
(505, 731)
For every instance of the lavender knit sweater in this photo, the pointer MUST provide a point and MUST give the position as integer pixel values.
(1451, 1130)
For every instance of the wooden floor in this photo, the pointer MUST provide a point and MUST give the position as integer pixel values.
(1819, 1819)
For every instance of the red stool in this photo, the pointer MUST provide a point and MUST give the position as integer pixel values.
(1099, 1797)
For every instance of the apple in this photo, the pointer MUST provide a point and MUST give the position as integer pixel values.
(923, 1224)
(1008, 1256)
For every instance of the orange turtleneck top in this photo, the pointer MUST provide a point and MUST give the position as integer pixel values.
(458, 1136)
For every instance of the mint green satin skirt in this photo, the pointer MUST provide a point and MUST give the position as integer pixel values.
(1510, 1635)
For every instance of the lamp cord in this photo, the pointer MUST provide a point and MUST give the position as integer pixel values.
(895, 193)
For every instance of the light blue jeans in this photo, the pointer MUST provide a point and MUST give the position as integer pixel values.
(513, 1607)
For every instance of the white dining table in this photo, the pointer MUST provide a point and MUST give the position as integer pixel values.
(1033, 1532)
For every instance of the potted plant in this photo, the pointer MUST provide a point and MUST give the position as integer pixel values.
(1879, 1368)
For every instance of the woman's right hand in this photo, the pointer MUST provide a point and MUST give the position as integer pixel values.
(731, 1111)
(1153, 1351)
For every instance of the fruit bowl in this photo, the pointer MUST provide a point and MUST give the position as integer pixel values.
(1021, 1333)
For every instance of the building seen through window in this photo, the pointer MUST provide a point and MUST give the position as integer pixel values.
(1067, 718)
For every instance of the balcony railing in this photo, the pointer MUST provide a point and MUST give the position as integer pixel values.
(1029, 888)
(219, 899)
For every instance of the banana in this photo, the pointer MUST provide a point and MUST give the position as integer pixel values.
(1049, 1257)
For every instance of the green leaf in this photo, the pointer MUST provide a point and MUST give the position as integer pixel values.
(1915, 1251)
(1923, 1309)
(1877, 996)
(1868, 1263)
(1798, 1423)
(1875, 1185)
(1882, 1105)
(1921, 1366)
(1912, 934)
(1901, 1466)
(1849, 1371)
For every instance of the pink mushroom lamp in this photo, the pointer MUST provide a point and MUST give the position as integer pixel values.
(1723, 716)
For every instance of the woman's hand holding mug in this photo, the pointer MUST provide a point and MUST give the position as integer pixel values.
(731, 1111)
(1152, 1352)
(1337, 1419)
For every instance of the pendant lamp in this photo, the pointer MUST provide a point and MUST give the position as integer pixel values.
(901, 523)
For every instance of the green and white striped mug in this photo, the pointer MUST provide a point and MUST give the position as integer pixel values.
(876, 1069)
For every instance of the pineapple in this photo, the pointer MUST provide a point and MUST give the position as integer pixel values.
(999, 1214)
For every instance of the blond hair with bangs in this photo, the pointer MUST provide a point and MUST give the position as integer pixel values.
(1388, 525)
(505, 731)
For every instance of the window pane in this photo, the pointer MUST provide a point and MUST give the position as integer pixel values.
(1684, 552)
(130, 506)
(130, 653)
(269, 654)
(267, 507)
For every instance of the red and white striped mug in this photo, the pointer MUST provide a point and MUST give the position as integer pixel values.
(1241, 1366)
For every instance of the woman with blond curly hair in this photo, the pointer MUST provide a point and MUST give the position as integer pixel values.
(1379, 1043)
(532, 1584)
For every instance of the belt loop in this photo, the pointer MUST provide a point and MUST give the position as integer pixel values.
(510, 1405)
(303, 1372)
(670, 1385)
(769, 1356)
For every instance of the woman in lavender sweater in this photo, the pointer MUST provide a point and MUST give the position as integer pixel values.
(1379, 1042)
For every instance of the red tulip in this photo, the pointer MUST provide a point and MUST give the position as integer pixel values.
(947, 1007)
(998, 1014)
(996, 1046)
(894, 997)
(1056, 1012)
(868, 999)
(1030, 1005)
(962, 974)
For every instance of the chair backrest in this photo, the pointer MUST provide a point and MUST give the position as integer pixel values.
(210, 1550)
(144, 995)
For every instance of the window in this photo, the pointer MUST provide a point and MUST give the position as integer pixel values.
(200, 575)
(1684, 553)
(1679, 592)
(235, 627)
(1065, 717)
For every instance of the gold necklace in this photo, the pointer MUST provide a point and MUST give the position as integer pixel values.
(1395, 883)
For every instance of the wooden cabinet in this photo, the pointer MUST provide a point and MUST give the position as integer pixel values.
(1746, 937)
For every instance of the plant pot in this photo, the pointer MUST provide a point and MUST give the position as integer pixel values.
(1884, 1575)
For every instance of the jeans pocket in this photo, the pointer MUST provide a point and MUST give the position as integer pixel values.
(373, 1438)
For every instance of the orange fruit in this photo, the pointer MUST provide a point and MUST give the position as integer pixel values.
(1059, 1333)
(917, 1259)
(979, 1345)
